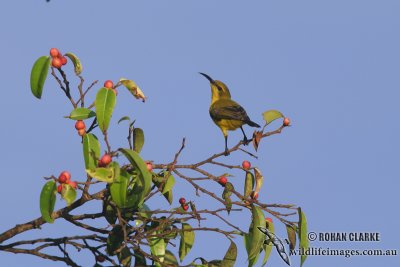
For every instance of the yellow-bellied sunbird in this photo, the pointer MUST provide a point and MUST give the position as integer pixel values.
(226, 113)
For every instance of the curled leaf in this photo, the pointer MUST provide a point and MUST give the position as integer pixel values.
(102, 174)
(259, 180)
(256, 139)
(248, 184)
(230, 256)
(68, 193)
(133, 88)
(291, 232)
(77, 63)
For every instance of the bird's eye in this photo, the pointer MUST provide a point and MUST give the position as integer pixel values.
(219, 88)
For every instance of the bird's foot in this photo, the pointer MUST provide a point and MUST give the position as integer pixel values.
(245, 141)
(226, 152)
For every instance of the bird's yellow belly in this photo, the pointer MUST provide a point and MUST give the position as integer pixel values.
(229, 125)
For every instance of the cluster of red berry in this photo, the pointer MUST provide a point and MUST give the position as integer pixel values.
(183, 203)
(65, 178)
(58, 59)
(81, 127)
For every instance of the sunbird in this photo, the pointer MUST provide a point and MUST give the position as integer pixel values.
(226, 113)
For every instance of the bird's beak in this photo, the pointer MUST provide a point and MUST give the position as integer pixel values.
(208, 77)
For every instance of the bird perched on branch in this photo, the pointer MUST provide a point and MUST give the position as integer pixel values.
(226, 113)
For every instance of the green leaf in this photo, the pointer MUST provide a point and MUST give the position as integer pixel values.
(157, 247)
(39, 74)
(303, 235)
(81, 114)
(187, 240)
(77, 63)
(68, 193)
(230, 256)
(114, 240)
(255, 238)
(124, 118)
(138, 139)
(119, 188)
(91, 150)
(169, 184)
(109, 212)
(291, 232)
(226, 195)
(48, 200)
(140, 260)
(170, 259)
(248, 184)
(102, 174)
(125, 257)
(143, 174)
(105, 102)
(267, 247)
(271, 115)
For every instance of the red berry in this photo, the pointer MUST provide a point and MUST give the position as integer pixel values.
(79, 125)
(268, 219)
(149, 166)
(286, 122)
(105, 159)
(100, 164)
(64, 60)
(67, 174)
(185, 207)
(222, 180)
(59, 188)
(73, 184)
(62, 179)
(254, 195)
(56, 63)
(54, 52)
(246, 165)
(82, 132)
(108, 84)
(100, 258)
(182, 200)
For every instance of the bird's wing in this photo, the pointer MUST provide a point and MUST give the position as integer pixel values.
(228, 109)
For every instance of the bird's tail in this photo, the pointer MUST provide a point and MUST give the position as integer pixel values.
(252, 123)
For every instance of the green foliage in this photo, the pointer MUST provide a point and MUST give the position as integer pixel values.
(230, 256)
(68, 193)
(39, 74)
(304, 243)
(102, 174)
(144, 176)
(254, 238)
(105, 103)
(271, 115)
(267, 246)
(48, 200)
(81, 114)
(138, 139)
(91, 151)
(248, 184)
(187, 240)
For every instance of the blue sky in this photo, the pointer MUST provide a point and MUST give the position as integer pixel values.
(332, 67)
